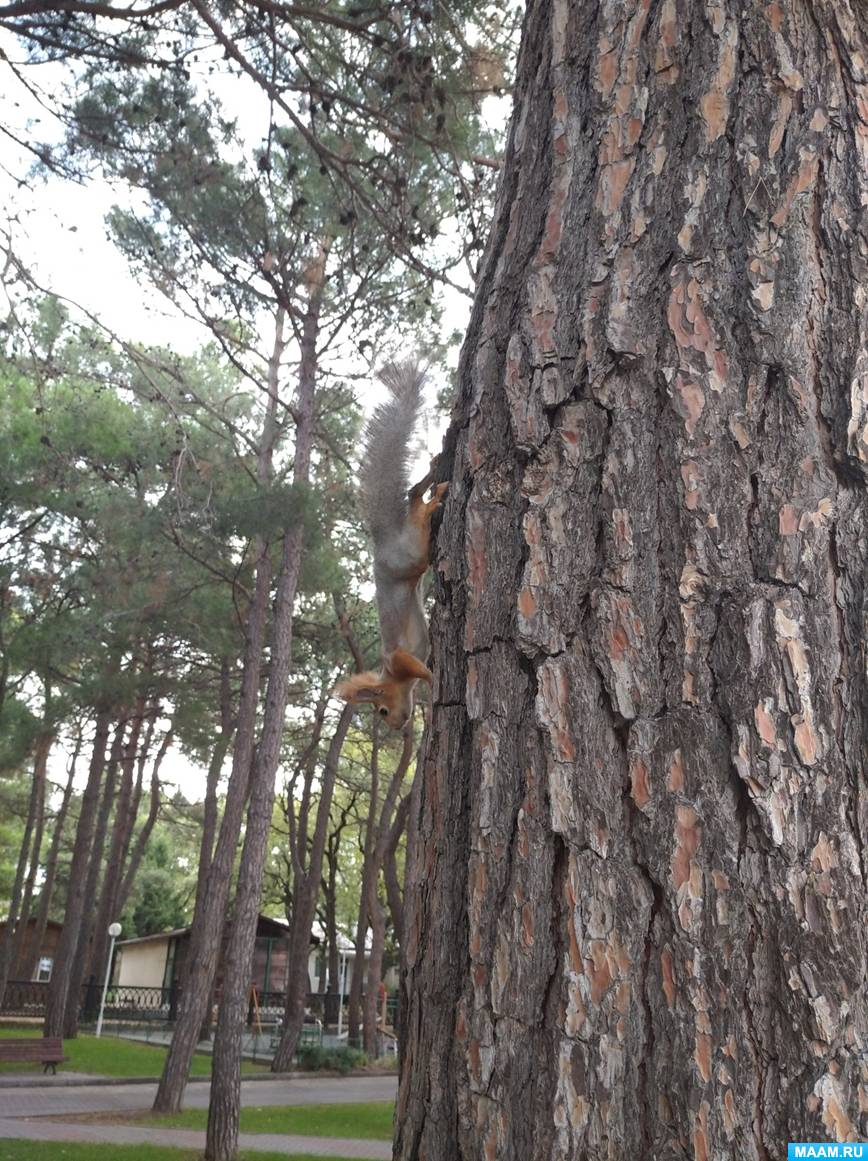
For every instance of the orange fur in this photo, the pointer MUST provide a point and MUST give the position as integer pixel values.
(391, 690)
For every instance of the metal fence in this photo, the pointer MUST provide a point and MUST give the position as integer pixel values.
(130, 1004)
(28, 998)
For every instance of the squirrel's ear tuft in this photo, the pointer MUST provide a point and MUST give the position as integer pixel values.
(403, 666)
(360, 687)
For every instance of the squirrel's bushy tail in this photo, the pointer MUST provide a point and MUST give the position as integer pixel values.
(384, 474)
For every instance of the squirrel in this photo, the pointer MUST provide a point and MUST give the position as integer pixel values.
(400, 523)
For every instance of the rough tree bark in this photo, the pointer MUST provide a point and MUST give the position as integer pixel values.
(637, 913)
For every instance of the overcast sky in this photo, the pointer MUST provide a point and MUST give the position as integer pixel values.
(60, 234)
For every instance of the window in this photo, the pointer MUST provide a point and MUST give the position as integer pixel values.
(43, 971)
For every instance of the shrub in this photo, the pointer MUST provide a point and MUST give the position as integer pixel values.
(314, 1058)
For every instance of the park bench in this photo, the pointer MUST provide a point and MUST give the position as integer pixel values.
(48, 1052)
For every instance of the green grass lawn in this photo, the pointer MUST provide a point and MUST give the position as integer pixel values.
(85, 1151)
(370, 1121)
(110, 1056)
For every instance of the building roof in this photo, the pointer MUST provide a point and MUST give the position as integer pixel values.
(277, 926)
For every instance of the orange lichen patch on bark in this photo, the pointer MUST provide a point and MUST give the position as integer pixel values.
(574, 953)
(489, 751)
(690, 403)
(527, 605)
(664, 56)
(527, 925)
(622, 531)
(857, 425)
(775, 16)
(803, 180)
(764, 723)
(691, 329)
(729, 1113)
(640, 787)
(702, 1055)
(675, 780)
(599, 969)
(700, 1134)
(552, 709)
(788, 520)
(667, 976)
(824, 856)
(477, 560)
(805, 739)
(688, 836)
(822, 515)
(607, 68)
(691, 478)
(834, 1117)
(577, 1013)
(788, 634)
(776, 136)
(612, 184)
(739, 432)
(695, 192)
(691, 582)
(714, 105)
(763, 295)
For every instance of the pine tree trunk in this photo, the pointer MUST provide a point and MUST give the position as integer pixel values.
(394, 891)
(304, 907)
(64, 956)
(354, 1000)
(206, 934)
(32, 948)
(225, 1103)
(122, 828)
(377, 918)
(209, 820)
(637, 922)
(82, 957)
(19, 903)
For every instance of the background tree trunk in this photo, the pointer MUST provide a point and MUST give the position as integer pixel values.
(30, 958)
(307, 883)
(206, 934)
(82, 959)
(637, 914)
(64, 957)
(354, 1000)
(221, 1142)
(28, 858)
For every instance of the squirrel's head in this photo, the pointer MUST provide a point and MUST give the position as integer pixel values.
(391, 692)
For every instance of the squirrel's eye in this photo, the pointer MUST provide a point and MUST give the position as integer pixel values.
(384, 713)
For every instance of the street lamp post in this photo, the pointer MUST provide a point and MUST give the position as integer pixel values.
(114, 931)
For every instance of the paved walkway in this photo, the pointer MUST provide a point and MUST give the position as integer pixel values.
(48, 1101)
